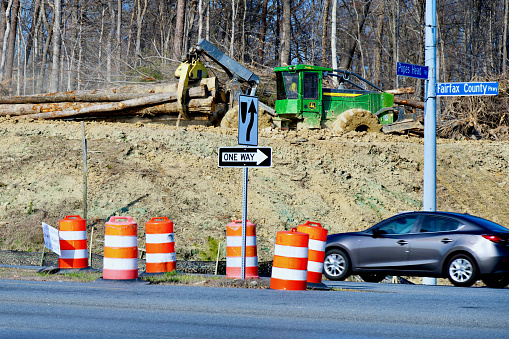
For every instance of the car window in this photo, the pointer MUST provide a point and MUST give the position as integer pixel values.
(486, 223)
(439, 224)
(401, 225)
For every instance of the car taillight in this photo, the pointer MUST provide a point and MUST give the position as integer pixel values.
(496, 238)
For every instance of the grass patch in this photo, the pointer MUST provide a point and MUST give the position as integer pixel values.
(175, 278)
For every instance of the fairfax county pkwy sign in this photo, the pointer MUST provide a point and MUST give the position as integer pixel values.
(245, 156)
(467, 88)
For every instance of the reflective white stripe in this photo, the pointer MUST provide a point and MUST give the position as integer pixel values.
(160, 238)
(291, 251)
(73, 254)
(237, 261)
(72, 235)
(236, 241)
(288, 274)
(160, 257)
(120, 241)
(317, 245)
(314, 266)
(120, 264)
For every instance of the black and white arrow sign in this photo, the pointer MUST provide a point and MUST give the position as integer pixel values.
(248, 120)
(245, 156)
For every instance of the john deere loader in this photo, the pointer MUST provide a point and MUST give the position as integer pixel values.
(304, 101)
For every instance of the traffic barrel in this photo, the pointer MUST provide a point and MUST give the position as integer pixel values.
(160, 246)
(316, 249)
(73, 242)
(120, 249)
(289, 267)
(234, 250)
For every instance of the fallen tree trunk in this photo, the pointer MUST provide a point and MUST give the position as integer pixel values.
(406, 90)
(408, 102)
(24, 109)
(113, 94)
(194, 106)
(103, 108)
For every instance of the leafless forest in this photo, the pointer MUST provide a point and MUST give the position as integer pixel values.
(63, 45)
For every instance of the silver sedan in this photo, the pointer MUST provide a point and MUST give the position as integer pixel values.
(460, 247)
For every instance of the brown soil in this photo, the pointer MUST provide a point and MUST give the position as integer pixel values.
(346, 181)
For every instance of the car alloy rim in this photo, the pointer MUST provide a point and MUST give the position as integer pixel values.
(335, 264)
(461, 270)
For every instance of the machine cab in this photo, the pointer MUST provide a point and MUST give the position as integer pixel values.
(299, 96)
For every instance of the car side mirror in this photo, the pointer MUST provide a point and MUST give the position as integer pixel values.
(377, 233)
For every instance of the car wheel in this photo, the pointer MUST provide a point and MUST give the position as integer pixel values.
(336, 265)
(496, 280)
(372, 277)
(462, 271)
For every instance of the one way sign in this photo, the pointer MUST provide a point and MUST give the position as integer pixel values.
(245, 156)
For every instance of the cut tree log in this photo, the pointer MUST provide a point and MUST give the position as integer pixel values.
(408, 102)
(406, 90)
(23, 109)
(194, 107)
(113, 94)
(106, 107)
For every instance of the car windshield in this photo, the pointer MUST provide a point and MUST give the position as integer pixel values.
(490, 225)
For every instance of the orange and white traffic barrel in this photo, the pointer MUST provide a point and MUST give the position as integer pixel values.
(289, 267)
(234, 250)
(316, 252)
(160, 246)
(120, 249)
(73, 242)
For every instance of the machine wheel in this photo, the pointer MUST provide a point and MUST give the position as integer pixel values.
(496, 280)
(336, 265)
(356, 119)
(462, 271)
(372, 277)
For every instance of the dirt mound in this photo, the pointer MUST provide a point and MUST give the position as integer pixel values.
(344, 181)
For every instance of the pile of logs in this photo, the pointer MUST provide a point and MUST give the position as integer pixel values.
(159, 102)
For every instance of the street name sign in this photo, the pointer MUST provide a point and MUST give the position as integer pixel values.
(467, 88)
(248, 120)
(413, 71)
(245, 156)
(51, 238)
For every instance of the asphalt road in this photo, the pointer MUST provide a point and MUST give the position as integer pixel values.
(135, 310)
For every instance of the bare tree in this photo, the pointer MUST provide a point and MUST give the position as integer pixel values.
(263, 32)
(179, 30)
(360, 20)
(504, 37)
(325, 30)
(9, 62)
(286, 36)
(55, 63)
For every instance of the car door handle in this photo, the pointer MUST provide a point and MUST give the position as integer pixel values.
(445, 240)
(402, 242)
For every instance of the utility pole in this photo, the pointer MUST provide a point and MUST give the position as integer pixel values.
(430, 118)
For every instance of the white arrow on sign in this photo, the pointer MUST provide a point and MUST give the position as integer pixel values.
(257, 157)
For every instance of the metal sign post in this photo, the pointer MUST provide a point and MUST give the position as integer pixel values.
(430, 112)
(248, 136)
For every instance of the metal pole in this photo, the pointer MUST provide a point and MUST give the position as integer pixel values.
(244, 218)
(430, 123)
(84, 139)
